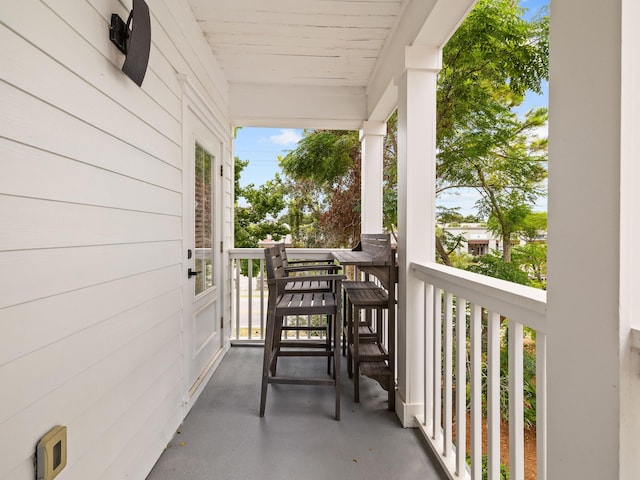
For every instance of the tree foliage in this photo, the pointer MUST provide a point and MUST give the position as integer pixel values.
(257, 210)
(532, 259)
(390, 176)
(489, 64)
(492, 60)
(453, 216)
(533, 225)
(447, 243)
(492, 265)
(322, 156)
(325, 188)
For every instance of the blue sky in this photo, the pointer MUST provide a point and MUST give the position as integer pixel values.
(262, 146)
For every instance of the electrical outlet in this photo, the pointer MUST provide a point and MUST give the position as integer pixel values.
(51, 453)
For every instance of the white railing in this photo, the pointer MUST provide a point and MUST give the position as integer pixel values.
(249, 292)
(460, 343)
(466, 315)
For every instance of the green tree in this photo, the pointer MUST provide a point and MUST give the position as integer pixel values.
(325, 188)
(446, 242)
(532, 259)
(533, 225)
(453, 215)
(390, 176)
(509, 176)
(305, 205)
(256, 216)
(322, 156)
(492, 265)
(489, 64)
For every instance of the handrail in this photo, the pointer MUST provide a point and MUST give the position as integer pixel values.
(452, 297)
(294, 253)
(527, 304)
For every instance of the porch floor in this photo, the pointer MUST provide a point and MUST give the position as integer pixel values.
(223, 436)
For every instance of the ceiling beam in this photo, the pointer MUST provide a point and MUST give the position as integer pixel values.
(287, 106)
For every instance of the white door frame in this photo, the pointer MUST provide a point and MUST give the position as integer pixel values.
(199, 127)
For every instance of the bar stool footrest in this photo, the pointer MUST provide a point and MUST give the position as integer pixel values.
(370, 352)
(378, 371)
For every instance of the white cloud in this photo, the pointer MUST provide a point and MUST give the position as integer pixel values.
(287, 136)
(541, 132)
(463, 198)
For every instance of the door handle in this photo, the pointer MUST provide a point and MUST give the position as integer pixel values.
(191, 273)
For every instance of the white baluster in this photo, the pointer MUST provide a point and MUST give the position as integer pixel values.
(516, 402)
(437, 366)
(428, 356)
(475, 336)
(448, 374)
(461, 386)
(493, 396)
(541, 405)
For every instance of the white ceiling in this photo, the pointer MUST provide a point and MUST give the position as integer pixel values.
(301, 42)
(316, 63)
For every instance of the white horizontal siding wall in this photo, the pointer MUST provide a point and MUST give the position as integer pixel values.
(91, 232)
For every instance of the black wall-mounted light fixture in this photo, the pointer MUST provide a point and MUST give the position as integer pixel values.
(133, 40)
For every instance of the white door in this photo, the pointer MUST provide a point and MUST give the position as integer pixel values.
(202, 335)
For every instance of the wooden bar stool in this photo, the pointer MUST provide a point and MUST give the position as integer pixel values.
(350, 287)
(282, 304)
(367, 353)
(307, 281)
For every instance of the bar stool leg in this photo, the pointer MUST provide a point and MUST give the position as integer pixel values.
(349, 338)
(275, 342)
(344, 322)
(266, 362)
(329, 334)
(356, 355)
(336, 365)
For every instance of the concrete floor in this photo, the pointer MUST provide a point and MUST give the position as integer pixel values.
(298, 438)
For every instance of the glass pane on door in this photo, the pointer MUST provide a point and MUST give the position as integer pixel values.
(203, 220)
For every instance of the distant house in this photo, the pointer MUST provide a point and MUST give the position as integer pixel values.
(479, 240)
(270, 242)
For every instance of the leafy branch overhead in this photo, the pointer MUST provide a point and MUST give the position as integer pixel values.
(489, 64)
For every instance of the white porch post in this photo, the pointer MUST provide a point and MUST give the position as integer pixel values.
(416, 215)
(593, 373)
(372, 139)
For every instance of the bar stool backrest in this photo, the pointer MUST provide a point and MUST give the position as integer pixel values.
(275, 269)
(283, 255)
(378, 245)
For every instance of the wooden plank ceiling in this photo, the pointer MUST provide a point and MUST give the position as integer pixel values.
(333, 43)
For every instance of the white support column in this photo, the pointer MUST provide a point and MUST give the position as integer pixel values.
(629, 234)
(593, 374)
(416, 215)
(372, 138)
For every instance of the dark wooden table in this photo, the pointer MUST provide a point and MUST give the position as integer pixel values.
(351, 257)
